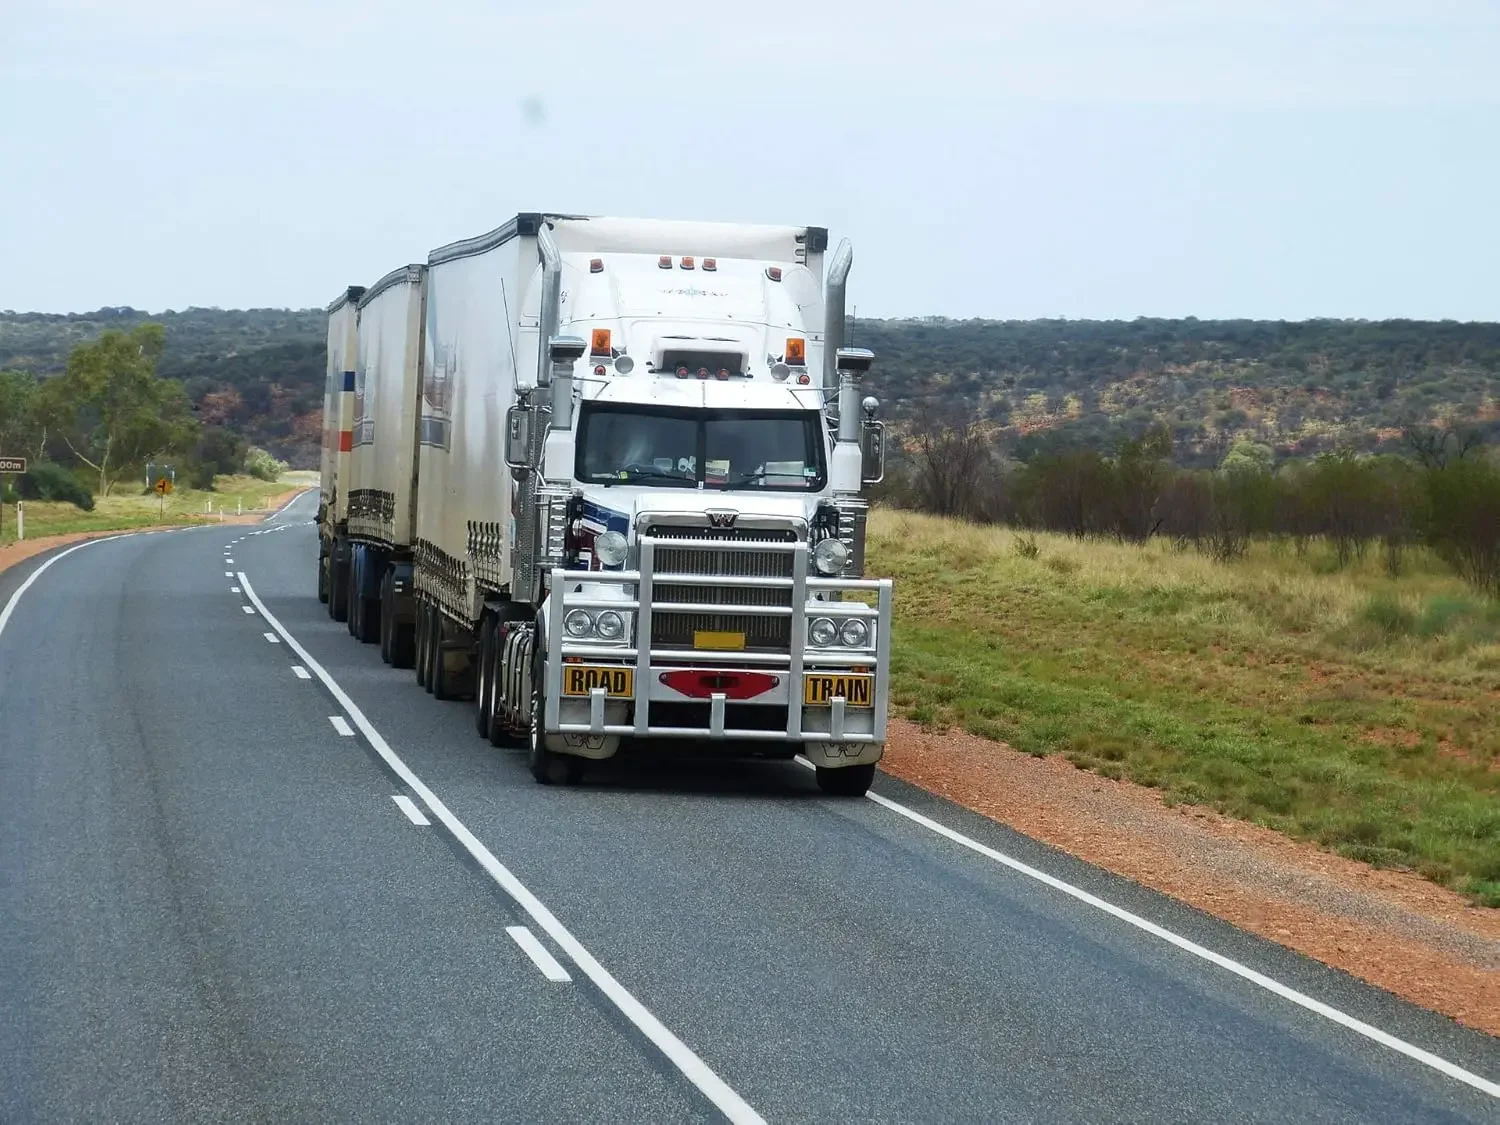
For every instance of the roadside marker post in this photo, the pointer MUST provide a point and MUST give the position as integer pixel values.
(11, 465)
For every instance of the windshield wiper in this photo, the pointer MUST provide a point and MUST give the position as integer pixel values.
(743, 478)
(621, 476)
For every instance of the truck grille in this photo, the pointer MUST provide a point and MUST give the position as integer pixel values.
(764, 634)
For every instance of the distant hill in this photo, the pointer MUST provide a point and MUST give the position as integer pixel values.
(1299, 386)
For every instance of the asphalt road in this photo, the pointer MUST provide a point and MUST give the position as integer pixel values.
(212, 908)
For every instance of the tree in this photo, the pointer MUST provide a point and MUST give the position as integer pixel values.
(112, 410)
(19, 427)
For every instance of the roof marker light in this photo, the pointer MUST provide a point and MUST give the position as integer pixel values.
(804, 379)
(773, 272)
(703, 373)
(665, 261)
(723, 373)
(687, 263)
(796, 351)
(683, 372)
(710, 264)
(596, 265)
(599, 344)
(599, 370)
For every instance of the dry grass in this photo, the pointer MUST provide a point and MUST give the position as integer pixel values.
(128, 508)
(1339, 705)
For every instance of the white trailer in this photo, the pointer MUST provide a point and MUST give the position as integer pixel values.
(651, 528)
(382, 492)
(338, 412)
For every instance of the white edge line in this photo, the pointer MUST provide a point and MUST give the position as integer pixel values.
(404, 803)
(538, 953)
(693, 1068)
(1369, 1031)
(15, 597)
(300, 672)
(341, 725)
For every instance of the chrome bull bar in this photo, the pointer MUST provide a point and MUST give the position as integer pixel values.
(647, 661)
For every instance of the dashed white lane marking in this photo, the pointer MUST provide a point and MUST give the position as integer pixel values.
(538, 953)
(341, 725)
(300, 672)
(272, 637)
(678, 1053)
(1301, 999)
(234, 589)
(413, 814)
(248, 608)
(229, 574)
(230, 561)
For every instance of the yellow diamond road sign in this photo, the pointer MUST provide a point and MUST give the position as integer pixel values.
(163, 486)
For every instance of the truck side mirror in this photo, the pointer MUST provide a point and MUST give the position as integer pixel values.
(517, 438)
(872, 451)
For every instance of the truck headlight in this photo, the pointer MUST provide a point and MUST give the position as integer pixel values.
(854, 634)
(578, 623)
(609, 625)
(822, 631)
(830, 556)
(609, 549)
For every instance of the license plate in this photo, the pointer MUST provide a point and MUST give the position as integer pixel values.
(581, 679)
(818, 689)
(720, 642)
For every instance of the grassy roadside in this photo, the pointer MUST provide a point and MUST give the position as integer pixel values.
(1343, 707)
(128, 508)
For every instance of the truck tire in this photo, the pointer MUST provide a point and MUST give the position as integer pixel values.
(367, 624)
(430, 625)
(323, 579)
(846, 781)
(403, 643)
(420, 663)
(439, 678)
(338, 590)
(547, 768)
(484, 681)
(351, 600)
(386, 618)
(501, 733)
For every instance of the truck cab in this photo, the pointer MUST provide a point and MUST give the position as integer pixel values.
(700, 488)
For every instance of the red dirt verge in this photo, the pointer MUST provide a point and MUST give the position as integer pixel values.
(1393, 929)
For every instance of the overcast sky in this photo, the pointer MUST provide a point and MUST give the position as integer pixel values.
(995, 158)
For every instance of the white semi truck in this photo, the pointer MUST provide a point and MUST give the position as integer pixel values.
(605, 478)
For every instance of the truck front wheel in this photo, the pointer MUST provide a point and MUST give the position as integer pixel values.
(846, 781)
(547, 767)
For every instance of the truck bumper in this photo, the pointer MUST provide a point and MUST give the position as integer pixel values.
(829, 703)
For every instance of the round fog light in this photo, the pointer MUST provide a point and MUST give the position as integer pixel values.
(823, 631)
(609, 548)
(854, 633)
(609, 625)
(578, 623)
(830, 555)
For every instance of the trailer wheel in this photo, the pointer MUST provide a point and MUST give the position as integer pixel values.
(484, 685)
(547, 767)
(338, 589)
(323, 578)
(421, 660)
(351, 599)
(846, 781)
(367, 625)
(386, 618)
(439, 681)
(403, 640)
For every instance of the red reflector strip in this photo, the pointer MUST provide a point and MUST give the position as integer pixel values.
(698, 684)
(346, 440)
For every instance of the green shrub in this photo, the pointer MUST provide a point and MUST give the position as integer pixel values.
(261, 465)
(47, 481)
(1388, 616)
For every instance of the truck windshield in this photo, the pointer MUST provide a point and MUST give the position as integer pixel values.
(726, 449)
